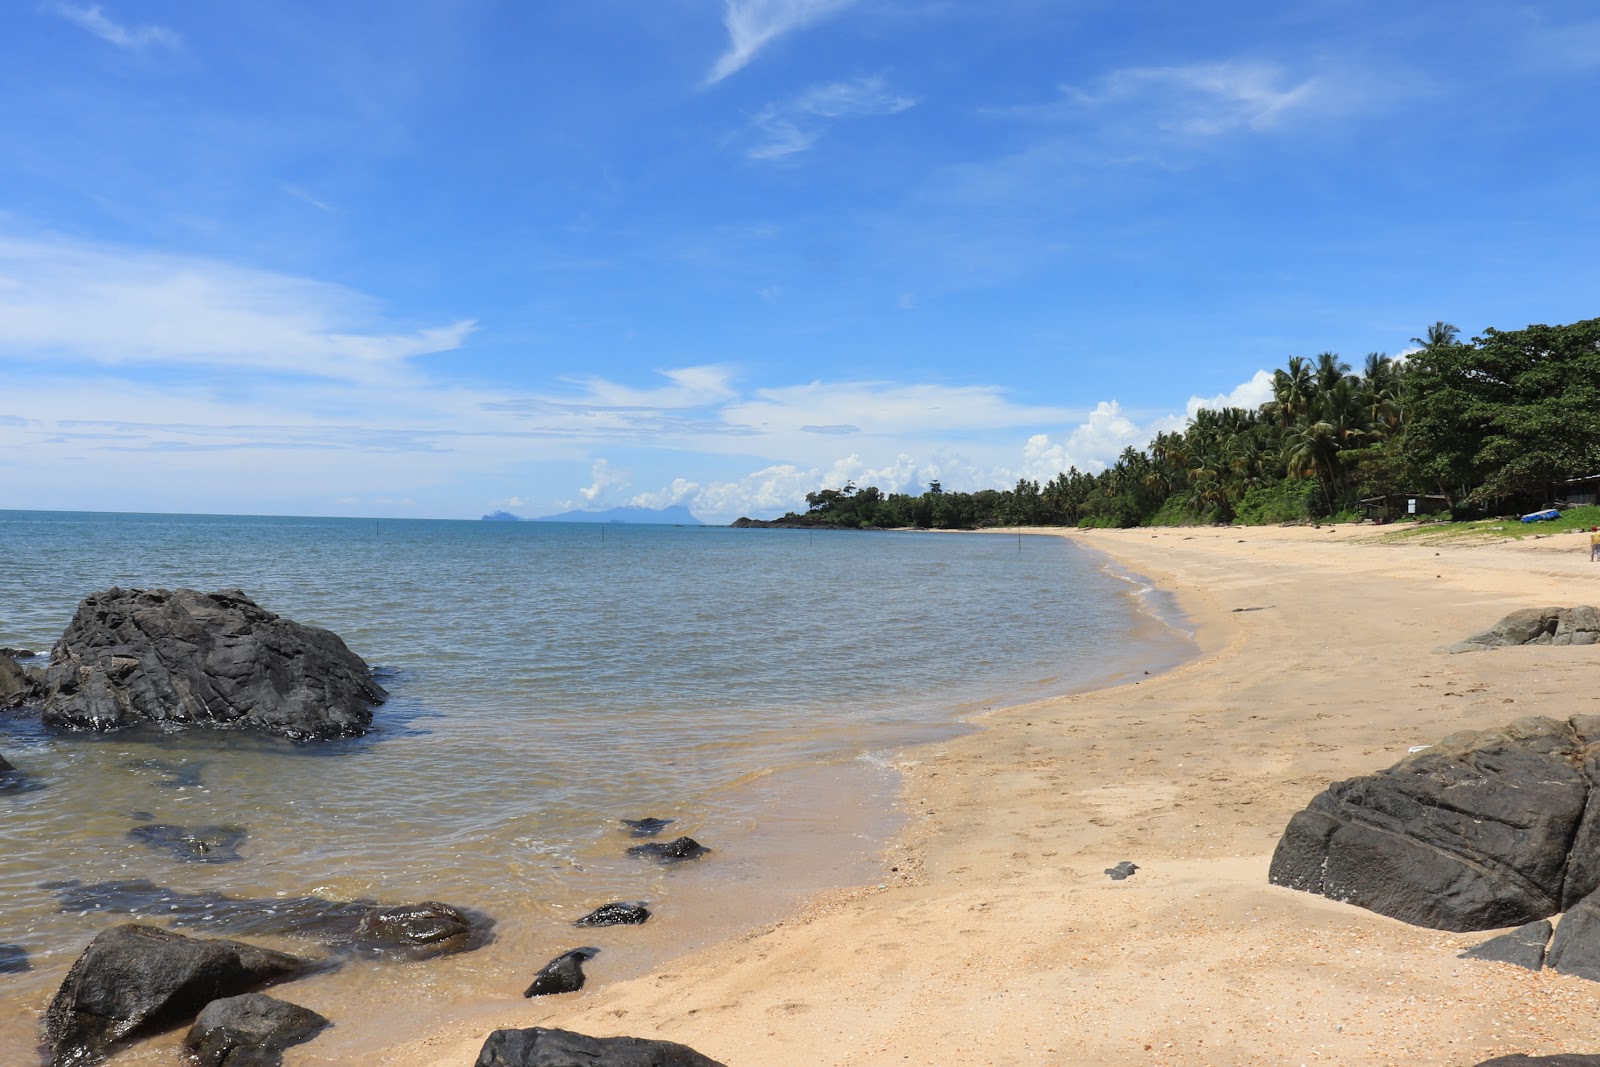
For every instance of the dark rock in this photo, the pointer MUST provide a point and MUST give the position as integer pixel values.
(196, 844)
(564, 974)
(1565, 1059)
(180, 658)
(648, 827)
(19, 685)
(1576, 946)
(1121, 870)
(17, 653)
(1538, 626)
(1522, 947)
(14, 959)
(539, 1047)
(362, 927)
(1470, 834)
(251, 1028)
(682, 848)
(621, 913)
(5, 766)
(134, 979)
(417, 931)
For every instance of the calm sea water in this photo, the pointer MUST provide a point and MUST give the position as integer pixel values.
(546, 680)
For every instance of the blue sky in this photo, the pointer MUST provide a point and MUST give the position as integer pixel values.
(299, 258)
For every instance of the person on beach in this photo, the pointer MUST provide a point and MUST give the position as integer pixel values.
(1594, 543)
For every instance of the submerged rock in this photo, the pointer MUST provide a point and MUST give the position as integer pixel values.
(620, 913)
(647, 827)
(674, 851)
(1483, 830)
(132, 979)
(541, 1047)
(14, 959)
(1522, 947)
(251, 1029)
(179, 658)
(360, 927)
(192, 844)
(564, 974)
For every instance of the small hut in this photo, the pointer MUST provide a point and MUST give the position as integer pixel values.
(1393, 506)
(1585, 490)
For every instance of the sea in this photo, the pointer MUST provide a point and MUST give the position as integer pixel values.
(546, 680)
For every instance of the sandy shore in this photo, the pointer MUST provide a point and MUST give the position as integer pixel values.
(995, 937)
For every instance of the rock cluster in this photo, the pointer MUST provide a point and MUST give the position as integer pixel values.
(180, 658)
(541, 1047)
(1483, 830)
(1537, 626)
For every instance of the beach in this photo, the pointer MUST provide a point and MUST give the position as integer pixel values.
(993, 935)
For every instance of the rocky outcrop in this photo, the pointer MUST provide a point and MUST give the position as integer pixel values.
(132, 979)
(19, 685)
(1483, 830)
(251, 1030)
(1537, 626)
(539, 1047)
(178, 658)
(360, 927)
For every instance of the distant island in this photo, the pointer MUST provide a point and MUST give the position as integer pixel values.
(675, 515)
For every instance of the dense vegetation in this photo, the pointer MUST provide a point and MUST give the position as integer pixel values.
(1496, 424)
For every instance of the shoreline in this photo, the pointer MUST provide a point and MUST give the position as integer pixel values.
(995, 936)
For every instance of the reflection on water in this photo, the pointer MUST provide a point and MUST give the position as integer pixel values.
(546, 683)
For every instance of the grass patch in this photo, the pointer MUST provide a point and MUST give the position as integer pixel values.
(1484, 530)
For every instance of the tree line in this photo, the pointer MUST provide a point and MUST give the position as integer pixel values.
(1496, 424)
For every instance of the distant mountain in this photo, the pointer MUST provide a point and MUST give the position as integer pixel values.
(677, 515)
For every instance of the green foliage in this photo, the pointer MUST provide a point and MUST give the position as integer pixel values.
(1502, 421)
(1286, 501)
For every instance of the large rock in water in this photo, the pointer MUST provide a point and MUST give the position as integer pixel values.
(252, 1028)
(1484, 830)
(134, 979)
(179, 658)
(18, 684)
(539, 1047)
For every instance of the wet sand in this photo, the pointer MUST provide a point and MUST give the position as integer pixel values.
(993, 936)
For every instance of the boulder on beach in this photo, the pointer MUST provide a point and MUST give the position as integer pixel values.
(618, 913)
(1537, 626)
(1523, 947)
(133, 979)
(1486, 829)
(180, 658)
(541, 1047)
(564, 974)
(252, 1029)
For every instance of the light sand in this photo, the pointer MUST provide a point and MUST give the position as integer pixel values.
(997, 939)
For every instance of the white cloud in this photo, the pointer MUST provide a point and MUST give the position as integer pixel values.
(1203, 99)
(784, 129)
(692, 387)
(605, 477)
(1248, 395)
(883, 408)
(1090, 446)
(754, 24)
(110, 305)
(92, 18)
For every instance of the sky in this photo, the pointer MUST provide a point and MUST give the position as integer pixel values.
(435, 259)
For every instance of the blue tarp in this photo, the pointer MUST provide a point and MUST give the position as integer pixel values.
(1542, 516)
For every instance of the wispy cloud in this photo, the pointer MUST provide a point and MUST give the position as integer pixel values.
(108, 305)
(93, 18)
(1198, 100)
(791, 126)
(754, 24)
(305, 197)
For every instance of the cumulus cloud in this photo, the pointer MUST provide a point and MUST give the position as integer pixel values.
(1248, 395)
(110, 305)
(93, 18)
(754, 24)
(787, 128)
(605, 477)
